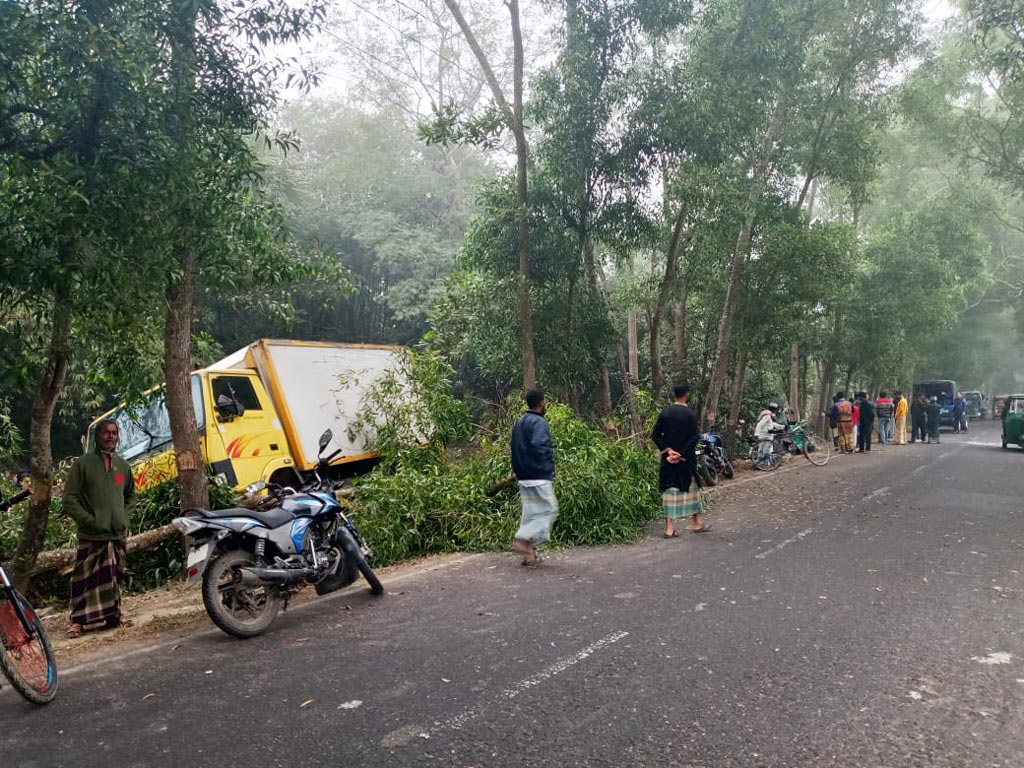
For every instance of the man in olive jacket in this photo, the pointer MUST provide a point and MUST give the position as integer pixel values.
(98, 496)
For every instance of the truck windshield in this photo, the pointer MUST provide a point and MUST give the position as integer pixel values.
(944, 390)
(147, 427)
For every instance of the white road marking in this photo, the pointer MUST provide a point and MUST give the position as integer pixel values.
(875, 494)
(799, 537)
(560, 666)
(468, 715)
(922, 468)
(999, 657)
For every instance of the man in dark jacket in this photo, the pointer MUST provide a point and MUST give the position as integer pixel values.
(867, 420)
(676, 434)
(98, 497)
(533, 461)
(918, 419)
(933, 420)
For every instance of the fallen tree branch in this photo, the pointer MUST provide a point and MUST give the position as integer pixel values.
(55, 559)
(495, 489)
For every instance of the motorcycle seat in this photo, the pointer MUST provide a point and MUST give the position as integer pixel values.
(271, 518)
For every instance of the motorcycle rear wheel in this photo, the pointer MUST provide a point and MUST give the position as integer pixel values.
(238, 610)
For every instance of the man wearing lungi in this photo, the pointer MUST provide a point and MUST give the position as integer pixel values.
(676, 434)
(533, 461)
(98, 497)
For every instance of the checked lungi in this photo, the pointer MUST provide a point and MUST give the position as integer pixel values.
(96, 581)
(539, 510)
(676, 503)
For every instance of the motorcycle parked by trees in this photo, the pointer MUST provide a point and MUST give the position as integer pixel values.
(252, 560)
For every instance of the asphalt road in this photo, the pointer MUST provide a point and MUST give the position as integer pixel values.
(867, 613)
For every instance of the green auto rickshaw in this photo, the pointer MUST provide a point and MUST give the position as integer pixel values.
(1013, 420)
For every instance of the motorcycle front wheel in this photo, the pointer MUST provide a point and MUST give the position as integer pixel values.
(239, 610)
(371, 578)
(706, 474)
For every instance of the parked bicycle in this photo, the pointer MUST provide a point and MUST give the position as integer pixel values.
(796, 438)
(26, 657)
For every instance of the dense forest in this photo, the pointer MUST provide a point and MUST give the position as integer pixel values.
(770, 200)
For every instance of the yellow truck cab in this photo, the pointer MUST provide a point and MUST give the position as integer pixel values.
(260, 412)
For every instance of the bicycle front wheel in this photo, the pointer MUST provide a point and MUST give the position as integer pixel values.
(26, 658)
(818, 449)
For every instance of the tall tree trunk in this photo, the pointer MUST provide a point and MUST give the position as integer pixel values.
(177, 372)
(48, 388)
(514, 115)
(794, 380)
(668, 285)
(631, 334)
(739, 383)
(628, 381)
(758, 172)
(523, 200)
(181, 288)
(679, 328)
(802, 390)
(604, 389)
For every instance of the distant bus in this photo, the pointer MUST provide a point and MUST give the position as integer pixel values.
(942, 389)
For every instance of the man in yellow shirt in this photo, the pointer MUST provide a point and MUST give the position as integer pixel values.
(901, 419)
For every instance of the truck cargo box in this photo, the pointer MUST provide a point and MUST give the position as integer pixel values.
(317, 386)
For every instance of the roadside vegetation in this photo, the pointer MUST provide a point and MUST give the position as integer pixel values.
(772, 201)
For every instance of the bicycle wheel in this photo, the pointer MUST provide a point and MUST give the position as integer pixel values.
(26, 659)
(770, 462)
(818, 449)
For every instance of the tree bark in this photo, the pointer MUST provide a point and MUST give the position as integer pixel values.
(604, 389)
(794, 380)
(802, 390)
(668, 285)
(181, 288)
(33, 532)
(61, 558)
(631, 334)
(739, 383)
(679, 328)
(514, 116)
(758, 173)
(177, 372)
(628, 381)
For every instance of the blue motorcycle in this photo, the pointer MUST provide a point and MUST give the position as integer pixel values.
(252, 560)
(716, 456)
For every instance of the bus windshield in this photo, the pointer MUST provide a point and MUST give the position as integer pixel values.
(147, 427)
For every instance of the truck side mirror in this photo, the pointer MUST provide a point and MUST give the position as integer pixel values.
(228, 408)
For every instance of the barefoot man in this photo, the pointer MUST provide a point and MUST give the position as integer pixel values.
(98, 497)
(533, 461)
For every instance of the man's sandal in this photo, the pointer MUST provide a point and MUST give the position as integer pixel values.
(74, 631)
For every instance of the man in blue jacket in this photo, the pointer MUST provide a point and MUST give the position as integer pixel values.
(533, 461)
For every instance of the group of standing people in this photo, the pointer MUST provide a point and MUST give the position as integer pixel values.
(854, 422)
